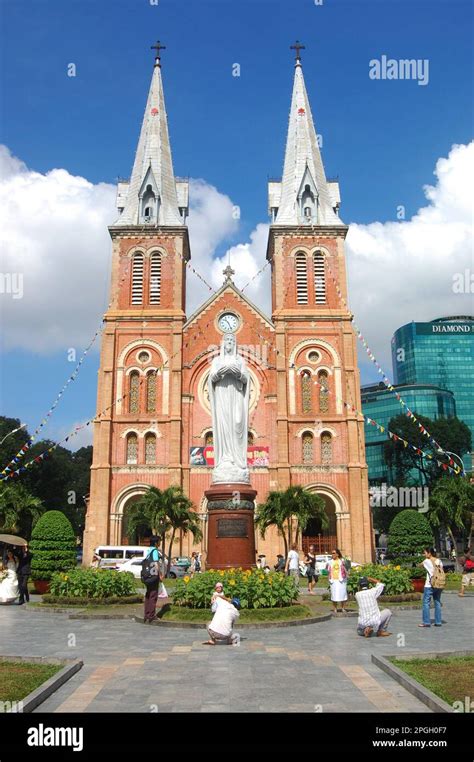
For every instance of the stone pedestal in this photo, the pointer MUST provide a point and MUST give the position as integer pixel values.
(231, 534)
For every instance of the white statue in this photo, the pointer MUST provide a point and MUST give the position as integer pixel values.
(229, 386)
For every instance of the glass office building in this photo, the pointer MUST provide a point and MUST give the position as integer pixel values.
(440, 353)
(381, 404)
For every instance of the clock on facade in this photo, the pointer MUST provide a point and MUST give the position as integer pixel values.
(228, 322)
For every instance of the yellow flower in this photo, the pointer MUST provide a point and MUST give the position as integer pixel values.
(398, 568)
(221, 573)
(186, 579)
(261, 576)
(66, 577)
(232, 582)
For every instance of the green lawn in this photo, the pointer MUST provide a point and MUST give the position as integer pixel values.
(451, 678)
(18, 679)
(247, 616)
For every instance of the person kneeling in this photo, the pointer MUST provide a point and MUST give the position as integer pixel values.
(221, 627)
(371, 619)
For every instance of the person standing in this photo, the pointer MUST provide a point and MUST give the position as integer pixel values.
(23, 572)
(311, 573)
(432, 564)
(467, 571)
(337, 580)
(292, 566)
(371, 619)
(152, 587)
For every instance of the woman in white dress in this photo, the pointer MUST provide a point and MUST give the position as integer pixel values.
(9, 590)
(337, 580)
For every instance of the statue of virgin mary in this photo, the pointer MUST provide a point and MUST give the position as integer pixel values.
(229, 386)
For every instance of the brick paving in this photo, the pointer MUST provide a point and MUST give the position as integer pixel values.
(129, 667)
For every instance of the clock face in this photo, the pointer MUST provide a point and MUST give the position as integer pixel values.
(228, 322)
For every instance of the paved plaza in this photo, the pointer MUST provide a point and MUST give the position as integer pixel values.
(129, 667)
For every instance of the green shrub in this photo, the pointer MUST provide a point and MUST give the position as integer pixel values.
(92, 583)
(396, 579)
(53, 545)
(255, 589)
(110, 601)
(409, 534)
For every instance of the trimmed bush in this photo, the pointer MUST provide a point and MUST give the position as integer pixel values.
(396, 579)
(111, 601)
(255, 589)
(409, 534)
(92, 583)
(53, 545)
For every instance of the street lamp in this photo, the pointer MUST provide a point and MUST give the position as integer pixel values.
(13, 432)
(454, 455)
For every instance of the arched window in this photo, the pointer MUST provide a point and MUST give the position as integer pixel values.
(132, 449)
(155, 278)
(323, 391)
(306, 396)
(326, 449)
(208, 439)
(151, 392)
(134, 397)
(301, 278)
(307, 446)
(137, 278)
(250, 439)
(150, 448)
(319, 278)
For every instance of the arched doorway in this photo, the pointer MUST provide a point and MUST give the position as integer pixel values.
(324, 540)
(140, 535)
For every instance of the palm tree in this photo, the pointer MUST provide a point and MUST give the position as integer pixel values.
(18, 505)
(163, 511)
(452, 505)
(281, 508)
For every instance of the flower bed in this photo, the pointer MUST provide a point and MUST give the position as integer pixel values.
(397, 580)
(255, 589)
(92, 584)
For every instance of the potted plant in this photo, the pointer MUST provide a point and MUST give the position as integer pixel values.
(53, 547)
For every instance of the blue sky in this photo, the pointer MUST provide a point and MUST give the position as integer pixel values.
(382, 139)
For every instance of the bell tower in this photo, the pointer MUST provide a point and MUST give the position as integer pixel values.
(137, 431)
(320, 437)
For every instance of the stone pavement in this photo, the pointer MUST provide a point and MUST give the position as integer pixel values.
(129, 667)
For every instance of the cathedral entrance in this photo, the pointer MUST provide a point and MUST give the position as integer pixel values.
(324, 540)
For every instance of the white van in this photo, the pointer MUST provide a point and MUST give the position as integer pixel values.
(113, 556)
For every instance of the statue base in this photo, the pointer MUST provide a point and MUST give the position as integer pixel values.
(231, 531)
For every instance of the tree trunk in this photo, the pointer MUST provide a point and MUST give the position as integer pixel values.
(168, 565)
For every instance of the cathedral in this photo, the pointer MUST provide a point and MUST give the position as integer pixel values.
(153, 423)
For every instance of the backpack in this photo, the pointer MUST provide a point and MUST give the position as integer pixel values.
(468, 565)
(150, 573)
(347, 564)
(438, 580)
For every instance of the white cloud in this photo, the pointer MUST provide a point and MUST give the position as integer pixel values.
(403, 271)
(83, 438)
(54, 234)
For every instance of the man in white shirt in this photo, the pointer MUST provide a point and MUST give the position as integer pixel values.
(226, 612)
(371, 619)
(292, 566)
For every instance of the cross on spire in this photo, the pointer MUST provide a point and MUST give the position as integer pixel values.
(158, 46)
(297, 46)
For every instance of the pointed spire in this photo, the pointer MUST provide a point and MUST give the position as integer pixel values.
(306, 195)
(151, 196)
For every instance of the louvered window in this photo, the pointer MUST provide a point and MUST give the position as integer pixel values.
(326, 449)
(306, 395)
(151, 392)
(134, 392)
(137, 279)
(319, 278)
(301, 278)
(132, 449)
(307, 440)
(155, 278)
(323, 392)
(150, 448)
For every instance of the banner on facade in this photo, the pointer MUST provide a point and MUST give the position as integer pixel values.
(204, 456)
